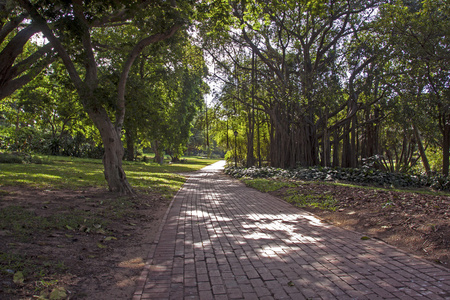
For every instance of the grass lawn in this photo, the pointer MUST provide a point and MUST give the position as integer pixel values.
(57, 172)
(59, 225)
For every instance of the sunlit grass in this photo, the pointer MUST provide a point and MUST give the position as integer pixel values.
(270, 185)
(74, 173)
(267, 185)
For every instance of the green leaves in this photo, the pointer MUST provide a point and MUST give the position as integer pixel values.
(357, 175)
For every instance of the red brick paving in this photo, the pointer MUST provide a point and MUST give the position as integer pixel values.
(222, 240)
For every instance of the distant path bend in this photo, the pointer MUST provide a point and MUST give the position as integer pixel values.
(222, 240)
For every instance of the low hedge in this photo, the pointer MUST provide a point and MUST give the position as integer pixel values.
(354, 175)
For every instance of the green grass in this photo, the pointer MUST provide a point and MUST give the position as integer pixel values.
(325, 202)
(267, 185)
(74, 173)
(21, 224)
(424, 191)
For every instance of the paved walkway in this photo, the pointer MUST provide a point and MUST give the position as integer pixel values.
(222, 240)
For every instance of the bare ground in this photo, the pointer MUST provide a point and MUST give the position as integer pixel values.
(82, 260)
(93, 266)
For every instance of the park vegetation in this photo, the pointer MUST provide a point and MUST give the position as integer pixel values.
(335, 84)
(306, 92)
(298, 83)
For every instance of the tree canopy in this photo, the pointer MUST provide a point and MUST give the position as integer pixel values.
(302, 83)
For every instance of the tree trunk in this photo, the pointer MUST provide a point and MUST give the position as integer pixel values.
(346, 149)
(130, 144)
(445, 145)
(258, 141)
(112, 159)
(423, 155)
(159, 158)
(250, 135)
(326, 148)
(336, 148)
(353, 155)
(251, 120)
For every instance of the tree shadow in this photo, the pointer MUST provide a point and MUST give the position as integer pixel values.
(222, 237)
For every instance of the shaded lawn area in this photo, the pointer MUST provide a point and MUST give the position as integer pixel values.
(64, 235)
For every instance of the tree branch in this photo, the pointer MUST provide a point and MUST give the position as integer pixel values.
(48, 33)
(138, 48)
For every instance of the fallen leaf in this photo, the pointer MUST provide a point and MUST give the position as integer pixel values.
(101, 246)
(18, 278)
(58, 293)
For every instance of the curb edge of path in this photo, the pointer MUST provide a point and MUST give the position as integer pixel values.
(142, 279)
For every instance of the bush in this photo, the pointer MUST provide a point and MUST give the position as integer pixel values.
(19, 158)
(10, 159)
(357, 175)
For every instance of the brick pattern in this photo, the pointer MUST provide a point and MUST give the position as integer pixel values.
(222, 240)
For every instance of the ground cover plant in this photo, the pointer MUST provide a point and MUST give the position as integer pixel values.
(63, 235)
(356, 175)
(415, 220)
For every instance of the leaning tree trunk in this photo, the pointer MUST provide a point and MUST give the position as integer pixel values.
(422, 153)
(114, 151)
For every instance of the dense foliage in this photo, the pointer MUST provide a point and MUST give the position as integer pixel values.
(334, 83)
(354, 175)
(309, 83)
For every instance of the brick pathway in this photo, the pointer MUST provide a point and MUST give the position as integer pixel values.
(222, 240)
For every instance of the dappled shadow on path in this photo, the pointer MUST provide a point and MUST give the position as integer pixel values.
(222, 239)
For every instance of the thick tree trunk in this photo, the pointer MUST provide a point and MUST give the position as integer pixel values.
(346, 149)
(112, 159)
(159, 158)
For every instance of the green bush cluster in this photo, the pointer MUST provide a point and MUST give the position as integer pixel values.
(19, 158)
(30, 140)
(354, 175)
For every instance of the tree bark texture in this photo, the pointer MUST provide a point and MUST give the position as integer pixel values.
(114, 151)
(292, 144)
(159, 157)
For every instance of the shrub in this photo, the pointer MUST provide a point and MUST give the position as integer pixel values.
(10, 159)
(357, 175)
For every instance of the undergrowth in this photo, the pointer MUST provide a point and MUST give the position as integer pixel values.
(356, 175)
